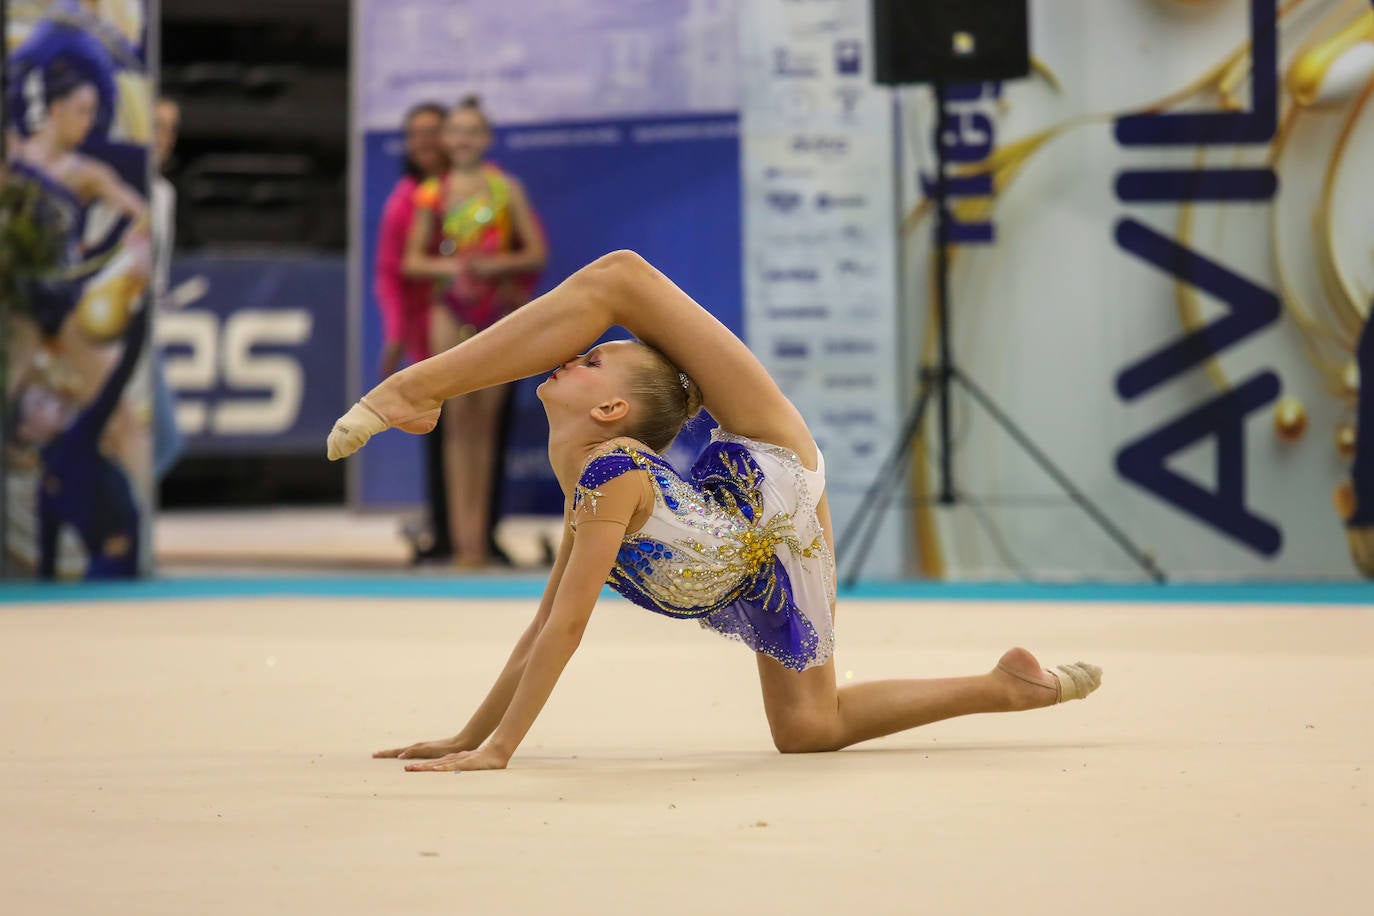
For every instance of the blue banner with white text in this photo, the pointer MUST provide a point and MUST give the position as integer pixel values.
(254, 350)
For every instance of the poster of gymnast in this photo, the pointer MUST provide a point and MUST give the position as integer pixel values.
(1164, 274)
(75, 258)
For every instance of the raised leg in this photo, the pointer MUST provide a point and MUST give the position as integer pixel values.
(621, 289)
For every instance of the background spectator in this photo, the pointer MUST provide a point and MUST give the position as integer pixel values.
(476, 239)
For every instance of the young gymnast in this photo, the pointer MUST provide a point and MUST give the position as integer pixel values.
(744, 544)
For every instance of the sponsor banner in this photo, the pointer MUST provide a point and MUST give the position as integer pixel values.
(1162, 271)
(621, 122)
(820, 268)
(547, 61)
(254, 352)
(75, 264)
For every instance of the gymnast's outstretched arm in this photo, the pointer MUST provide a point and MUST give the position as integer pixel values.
(497, 701)
(595, 545)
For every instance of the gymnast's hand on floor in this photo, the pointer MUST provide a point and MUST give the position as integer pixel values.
(427, 750)
(484, 758)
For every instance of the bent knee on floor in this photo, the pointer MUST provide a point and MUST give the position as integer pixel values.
(805, 735)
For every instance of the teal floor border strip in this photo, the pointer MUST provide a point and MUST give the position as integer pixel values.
(276, 586)
(531, 587)
(1107, 593)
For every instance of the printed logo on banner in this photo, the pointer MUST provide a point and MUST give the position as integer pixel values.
(553, 137)
(862, 448)
(848, 57)
(861, 312)
(789, 379)
(828, 201)
(788, 62)
(850, 381)
(823, 27)
(206, 355)
(252, 354)
(1251, 307)
(855, 234)
(800, 239)
(850, 346)
(773, 172)
(795, 103)
(791, 349)
(791, 275)
(971, 140)
(826, 146)
(842, 419)
(783, 201)
(849, 97)
(853, 268)
(683, 132)
(796, 312)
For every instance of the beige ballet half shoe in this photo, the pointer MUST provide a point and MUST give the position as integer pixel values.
(1071, 682)
(353, 429)
(1076, 681)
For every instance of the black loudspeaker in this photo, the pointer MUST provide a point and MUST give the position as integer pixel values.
(950, 41)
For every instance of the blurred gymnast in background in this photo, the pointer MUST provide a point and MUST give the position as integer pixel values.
(475, 237)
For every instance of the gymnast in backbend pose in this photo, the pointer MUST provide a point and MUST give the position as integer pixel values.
(743, 544)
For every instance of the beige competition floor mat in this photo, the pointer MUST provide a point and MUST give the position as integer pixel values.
(211, 756)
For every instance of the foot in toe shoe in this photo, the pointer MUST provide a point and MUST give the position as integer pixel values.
(353, 429)
(400, 411)
(1030, 686)
(420, 423)
(1076, 681)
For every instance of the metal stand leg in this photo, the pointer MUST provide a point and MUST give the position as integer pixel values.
(869, 516)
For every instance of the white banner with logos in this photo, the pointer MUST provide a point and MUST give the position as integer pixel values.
(820, 269)
(1165, 288)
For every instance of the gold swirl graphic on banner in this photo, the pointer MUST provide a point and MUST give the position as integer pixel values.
(1332, 70)
(1318, 66)
(1317, 338)
(1350, 305)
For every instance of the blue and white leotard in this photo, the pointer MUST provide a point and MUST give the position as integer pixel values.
(737, 546)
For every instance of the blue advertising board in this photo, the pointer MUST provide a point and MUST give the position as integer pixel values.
(255, 352)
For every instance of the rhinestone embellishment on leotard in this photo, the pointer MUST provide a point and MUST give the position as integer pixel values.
(727, 555)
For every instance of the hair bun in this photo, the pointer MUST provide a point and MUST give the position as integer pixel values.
(471, 100)
(694, 398)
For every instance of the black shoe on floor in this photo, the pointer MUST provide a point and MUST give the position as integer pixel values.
(436, 553)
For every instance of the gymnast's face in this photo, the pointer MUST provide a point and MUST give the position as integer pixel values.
(73, 115)
(466, 137)
(594, 386)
